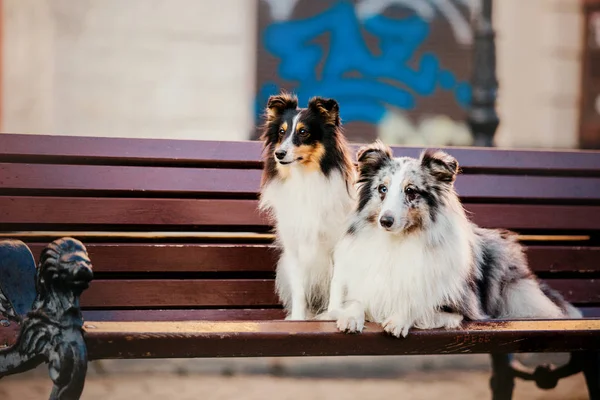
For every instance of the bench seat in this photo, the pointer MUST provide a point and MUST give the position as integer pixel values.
(184, 265)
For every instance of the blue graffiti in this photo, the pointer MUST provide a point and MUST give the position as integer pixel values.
(365, 84)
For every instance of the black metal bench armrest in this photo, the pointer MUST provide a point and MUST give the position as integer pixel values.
(52, 330)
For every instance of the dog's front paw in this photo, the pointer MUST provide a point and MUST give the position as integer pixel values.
(326, 316)
(295, 318)
(350, 323)
(440, 320)
(453, 321)
(396, 326)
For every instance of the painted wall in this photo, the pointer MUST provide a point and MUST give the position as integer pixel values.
(539, 68)
(399, 69)
(138, 68)
(195, 69)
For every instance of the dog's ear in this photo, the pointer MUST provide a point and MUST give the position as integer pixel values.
(277, 104)
(371, 157)
(441, 165)
(327, 108)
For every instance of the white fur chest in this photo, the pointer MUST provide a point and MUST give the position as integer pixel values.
(392, 276)
(309, 208)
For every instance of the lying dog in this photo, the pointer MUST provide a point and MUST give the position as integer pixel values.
(411, 258)
(307, 189)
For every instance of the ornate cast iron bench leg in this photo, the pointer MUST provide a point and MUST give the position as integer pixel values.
(45, 303)
(505, 369)
(591, 370)
(502, 382)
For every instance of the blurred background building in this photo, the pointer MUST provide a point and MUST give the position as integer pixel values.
(189, 69)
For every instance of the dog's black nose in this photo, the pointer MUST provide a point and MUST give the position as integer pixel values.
(386, 221)
(280, 154)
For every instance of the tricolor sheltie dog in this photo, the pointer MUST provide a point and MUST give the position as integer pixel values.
(411, 258)
(307, 189)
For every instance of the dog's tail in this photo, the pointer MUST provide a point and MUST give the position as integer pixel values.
(568, 309)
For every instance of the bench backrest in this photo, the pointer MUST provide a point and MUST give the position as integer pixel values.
(173, 231)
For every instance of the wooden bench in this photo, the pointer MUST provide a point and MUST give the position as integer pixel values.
(184, 267)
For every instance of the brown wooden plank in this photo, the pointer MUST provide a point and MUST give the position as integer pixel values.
(124, 180)
(578, 291)
(117, 211)
(158, 293)
(150, 236)
(260, 338)
(289, 338)
(521, 217)
(264, 314)
(119, 151)
(149, 257)
(261, 314)
(93, 212)
(518, 162)
(590, 312)
(527, 188)
(564, 259)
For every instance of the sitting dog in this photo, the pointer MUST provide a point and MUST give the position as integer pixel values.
(411, 258)
(307, 189)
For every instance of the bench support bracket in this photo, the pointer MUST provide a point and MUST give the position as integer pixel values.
(505, 369)
(51, 331)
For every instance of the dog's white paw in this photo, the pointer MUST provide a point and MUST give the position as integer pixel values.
(440, 320)
(396, 326)
(326, 316)
(350, 323)
(453, 321)
(295, 318)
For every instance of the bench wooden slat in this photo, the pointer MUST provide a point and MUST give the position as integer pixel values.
(522, 217)
(121, 151)
(288, 338)
(158, 293)
(89, 213)
(124, 180)
(8, 335)
(116, 211)
(150, 257)
(578, 259)
(590, 312)
(578, 291)
(231, 314)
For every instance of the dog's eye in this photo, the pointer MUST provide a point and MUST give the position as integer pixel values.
(411, 193)
(382, 189)
(303, 133)
(281, 131)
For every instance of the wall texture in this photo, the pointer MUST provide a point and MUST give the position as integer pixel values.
(186, 69)
(141, 68)
(539, 69)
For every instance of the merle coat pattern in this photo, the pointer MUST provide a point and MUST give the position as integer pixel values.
(411, 258)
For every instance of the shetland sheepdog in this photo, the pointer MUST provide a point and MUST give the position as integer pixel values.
(411, 258)
(307, 189)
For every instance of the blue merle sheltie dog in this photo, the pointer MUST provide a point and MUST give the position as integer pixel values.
(411, 258)
(307, 189)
